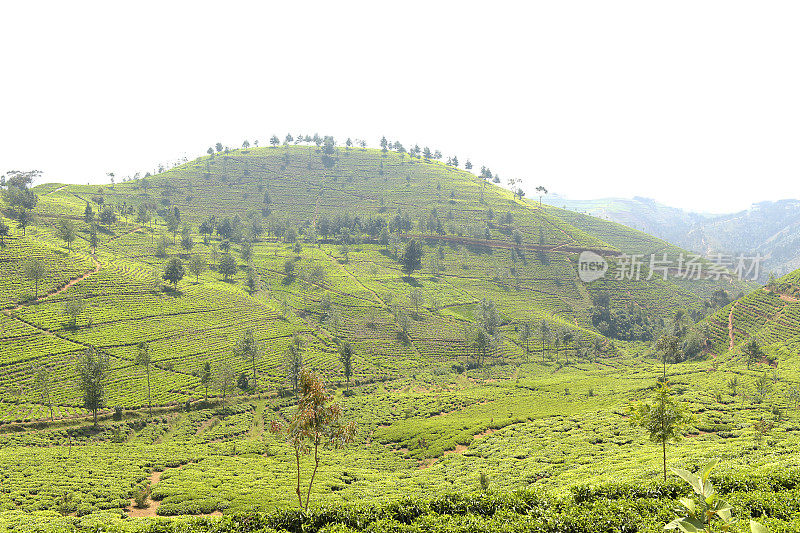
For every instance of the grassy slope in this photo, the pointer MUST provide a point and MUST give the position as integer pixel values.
(549, 428)
(201, 322)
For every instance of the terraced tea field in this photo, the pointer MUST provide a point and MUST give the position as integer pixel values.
(484, 357)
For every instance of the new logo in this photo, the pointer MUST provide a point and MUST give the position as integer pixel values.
(591, 266)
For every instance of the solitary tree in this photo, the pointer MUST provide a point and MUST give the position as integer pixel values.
(174, 271)
(24, 219)
(733, 385)
(186, 238)
(316, 424)
(43, 382)
(107, 216)
(197, 265)
(346, 357)
(73, 309)
(228, 266)
(88, 213)
(482, 342)
(35, 271)
(143, 358)
(225, 381)
(93, 238)
(412, 256)
(670, 348)
(66, 230)
(4, 231)
(205, 378)
(664, 419)
(525, 334)
(763, 386)
(542, 191)
(294, 361)
(92, 368)
(248, 349)
(172, 223)
(752, 350)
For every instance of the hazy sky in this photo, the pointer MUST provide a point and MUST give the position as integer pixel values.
(696, 104)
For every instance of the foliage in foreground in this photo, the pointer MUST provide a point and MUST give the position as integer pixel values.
(640, 507)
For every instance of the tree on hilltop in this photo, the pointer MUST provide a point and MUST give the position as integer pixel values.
(542, 190)
(19, 197)
(274, 141)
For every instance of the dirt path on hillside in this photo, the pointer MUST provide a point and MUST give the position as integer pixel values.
(56, 292)
(56, 190)
(152, 508)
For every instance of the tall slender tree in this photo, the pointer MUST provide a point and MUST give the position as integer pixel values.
(248, 349)
(92, 368)
(143, 358)
(664, 419)
(346, 357)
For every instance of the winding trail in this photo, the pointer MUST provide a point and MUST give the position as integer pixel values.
(56, 292)
(151, 510)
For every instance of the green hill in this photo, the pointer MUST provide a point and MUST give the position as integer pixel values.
(357, 292)
(769, 315)
(317, 241)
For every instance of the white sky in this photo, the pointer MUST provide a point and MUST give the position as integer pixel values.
(696, 104)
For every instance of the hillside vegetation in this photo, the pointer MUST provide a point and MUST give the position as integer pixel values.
(475, 348)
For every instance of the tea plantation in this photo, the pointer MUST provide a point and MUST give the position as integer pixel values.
(491, 388)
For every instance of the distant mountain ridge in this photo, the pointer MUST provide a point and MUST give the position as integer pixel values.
(770, 228)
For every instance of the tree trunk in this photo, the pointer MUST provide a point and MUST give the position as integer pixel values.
(149, 403)
(297, 487)
(664, 447)
(94, 411)
(314, 473)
